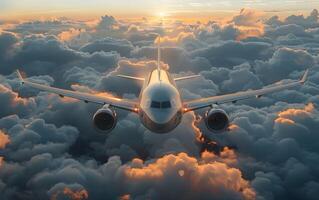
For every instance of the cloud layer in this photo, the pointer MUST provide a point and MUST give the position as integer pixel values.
(49, 148)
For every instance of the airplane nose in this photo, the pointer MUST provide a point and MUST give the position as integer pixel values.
(160, 117)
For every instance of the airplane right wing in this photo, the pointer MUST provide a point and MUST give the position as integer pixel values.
(207, 102)
(86, 97)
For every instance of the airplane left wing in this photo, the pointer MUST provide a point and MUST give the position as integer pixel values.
(207, 102)
(131, 77)
(86, 97)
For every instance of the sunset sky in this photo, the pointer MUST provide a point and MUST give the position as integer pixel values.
(12, 9)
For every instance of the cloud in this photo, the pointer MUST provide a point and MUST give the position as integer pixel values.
(308, 22)
(70, 34)
(4, 140)
(249, 23)
(184, 39)
(247, 17)
(283, 62)
(106, 22)
(209, 180)
(291, 113)
(123, 47)
(217, 32)
(78, 194)
(237, 53)
(7, 42)
(14, 104)
(287, 29)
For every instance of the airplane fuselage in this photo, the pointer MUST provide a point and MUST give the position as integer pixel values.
(160, 103)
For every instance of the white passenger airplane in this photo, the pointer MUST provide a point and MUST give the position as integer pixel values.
(160, 107)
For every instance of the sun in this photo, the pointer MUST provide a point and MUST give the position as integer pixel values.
(161, 14)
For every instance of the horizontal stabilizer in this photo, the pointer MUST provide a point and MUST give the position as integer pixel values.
(131, 77)
(186, 77)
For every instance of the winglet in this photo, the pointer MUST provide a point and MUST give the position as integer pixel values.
(20, 77)
(304, 77)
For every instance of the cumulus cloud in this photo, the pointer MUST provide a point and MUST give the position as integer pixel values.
(284, 61)
(70, 34)
(249, 23)
(49, 148)
(4, 140)
(123, 47)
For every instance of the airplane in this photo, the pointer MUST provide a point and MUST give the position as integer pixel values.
(160, 106)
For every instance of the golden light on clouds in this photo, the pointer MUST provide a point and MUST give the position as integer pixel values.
(70, 34)
(81, 194)
(203, 174)
(4, 140)
(286, 116)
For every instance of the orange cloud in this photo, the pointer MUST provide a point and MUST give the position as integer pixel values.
(227, 156)
(233, 127)
(199, 134)
(15, 100)
(4, 140)
(69, 34)
(125, 197)
(175, 40)
(285, 117)
(74, 195)
(249, 23)
(281, 120)
(212, 176)
(250, 32)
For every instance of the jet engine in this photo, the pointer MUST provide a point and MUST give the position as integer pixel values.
(216, 120)
(105, 119)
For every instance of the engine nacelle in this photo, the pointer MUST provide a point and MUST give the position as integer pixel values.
(105, 119)
(216, 120)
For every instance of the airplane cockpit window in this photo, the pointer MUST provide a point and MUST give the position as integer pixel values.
(155, 104)
(163, 104)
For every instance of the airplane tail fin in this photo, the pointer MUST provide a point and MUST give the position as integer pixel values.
(159, 58)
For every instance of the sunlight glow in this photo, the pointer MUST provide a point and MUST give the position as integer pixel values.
(161, 14)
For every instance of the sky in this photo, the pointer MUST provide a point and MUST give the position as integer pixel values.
(51, 150)
(125, 8)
